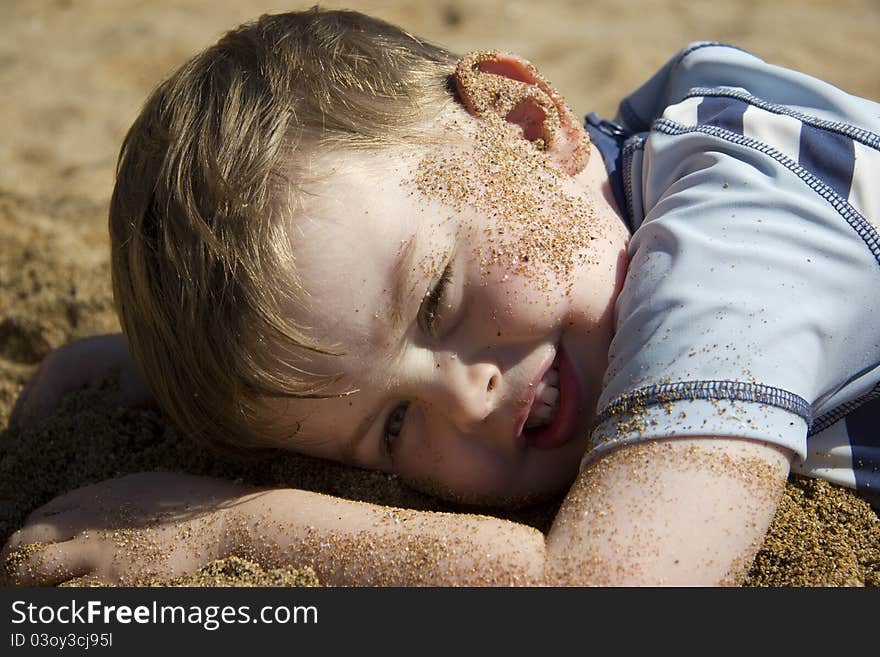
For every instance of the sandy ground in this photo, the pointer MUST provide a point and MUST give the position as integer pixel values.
(74, 74)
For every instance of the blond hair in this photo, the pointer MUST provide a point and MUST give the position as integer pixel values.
(205, 190)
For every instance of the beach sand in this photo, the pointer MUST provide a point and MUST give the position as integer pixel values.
(75, 73)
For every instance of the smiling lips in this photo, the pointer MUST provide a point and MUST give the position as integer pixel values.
(545, 403)
(551, 416)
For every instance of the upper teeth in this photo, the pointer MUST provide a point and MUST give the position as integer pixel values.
(543, 409)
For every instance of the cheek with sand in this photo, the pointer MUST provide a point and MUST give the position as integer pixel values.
(541, 232)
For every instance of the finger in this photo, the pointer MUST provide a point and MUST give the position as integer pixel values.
(37, 564)
(59, 520)
(39, 532)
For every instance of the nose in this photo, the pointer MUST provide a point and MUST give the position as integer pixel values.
(470, 391)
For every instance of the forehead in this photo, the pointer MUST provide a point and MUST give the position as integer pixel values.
(361, 221)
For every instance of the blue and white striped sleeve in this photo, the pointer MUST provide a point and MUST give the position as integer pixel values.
(752, 293)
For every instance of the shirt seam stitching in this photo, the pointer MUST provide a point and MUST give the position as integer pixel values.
(862, 135)
(629, 149)
(711, 390)
(839, 412)
(853, 217)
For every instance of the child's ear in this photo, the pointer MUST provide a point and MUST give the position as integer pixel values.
(496, 84)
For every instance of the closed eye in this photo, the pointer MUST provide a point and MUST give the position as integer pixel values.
(431, 304)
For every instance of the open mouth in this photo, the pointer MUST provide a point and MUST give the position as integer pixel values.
(546, 401)
(553, 415)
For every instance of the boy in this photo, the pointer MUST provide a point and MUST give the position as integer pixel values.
(331, 237)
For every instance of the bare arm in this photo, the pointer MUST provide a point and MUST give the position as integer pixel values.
(668, 512)
(355, 543)
(76, 365)
(154, 526)
(673, 512)
(684, 511)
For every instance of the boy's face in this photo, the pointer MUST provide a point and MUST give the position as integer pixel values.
(472, 297)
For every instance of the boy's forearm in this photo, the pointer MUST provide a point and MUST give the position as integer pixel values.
(684, 511)
(352, 543)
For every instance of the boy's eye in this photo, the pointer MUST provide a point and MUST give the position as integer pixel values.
(431, 304)
(394, 425)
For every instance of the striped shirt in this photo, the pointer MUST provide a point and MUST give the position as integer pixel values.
(752, 304)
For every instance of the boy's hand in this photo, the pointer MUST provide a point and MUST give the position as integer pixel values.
(77, 365)
(141, 527)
